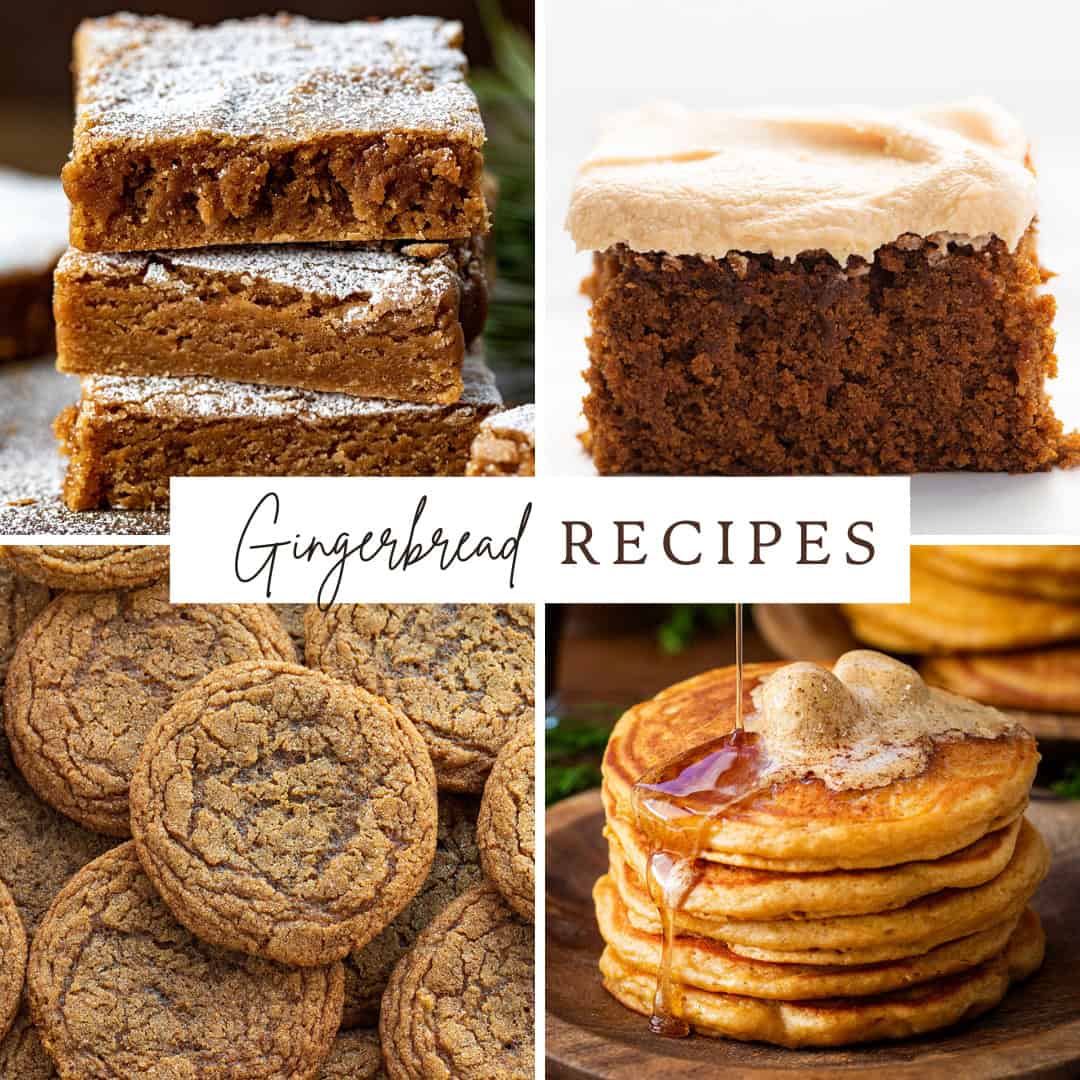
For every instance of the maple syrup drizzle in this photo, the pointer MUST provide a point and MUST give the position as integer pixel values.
(738, 668)
(675, 805)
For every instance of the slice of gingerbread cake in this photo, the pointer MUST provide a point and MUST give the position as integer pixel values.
(836, 291)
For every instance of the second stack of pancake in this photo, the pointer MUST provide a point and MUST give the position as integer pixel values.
(1000, 624)
(876, 887)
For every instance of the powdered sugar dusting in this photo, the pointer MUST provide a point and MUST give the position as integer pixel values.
(33, 222)
(215, 399)
(378, 277)
(522, 420)
(284, 77)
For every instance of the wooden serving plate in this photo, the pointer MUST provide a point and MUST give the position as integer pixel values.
(820, 631)
(1034, 1032)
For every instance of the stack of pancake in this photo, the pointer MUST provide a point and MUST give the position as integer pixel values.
(875, 886)
(997, 624)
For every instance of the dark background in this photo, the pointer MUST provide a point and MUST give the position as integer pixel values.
(35, 46)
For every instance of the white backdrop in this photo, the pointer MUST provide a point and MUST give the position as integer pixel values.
(604, 55)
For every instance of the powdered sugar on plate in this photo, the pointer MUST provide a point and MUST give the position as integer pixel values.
(33, 222)
(31, 469)
(284, 77)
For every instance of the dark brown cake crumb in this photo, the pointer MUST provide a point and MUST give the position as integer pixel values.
(924, 360)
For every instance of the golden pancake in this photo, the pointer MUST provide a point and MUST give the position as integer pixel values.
(1039, 680)
(947, 616)
(710, 965)
(1048, 571)
(750, 893)
(838, 1021)
(907, 931)
(968, 788)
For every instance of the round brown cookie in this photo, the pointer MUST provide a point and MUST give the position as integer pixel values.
(119, 989)
(40, 848)
(356, 1055)
(283, 813)
(463, 673)
(505, 830)
(88, 567)
(460, 1004)
(12, 958)
(21, 601)
(96, 671)
(22, 1057)
(456, 868)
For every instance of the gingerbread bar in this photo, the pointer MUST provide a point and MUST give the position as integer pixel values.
(33, 228)
(272, 130)
(505, 445)
(837, 291)
(129, 434)
(386, 321)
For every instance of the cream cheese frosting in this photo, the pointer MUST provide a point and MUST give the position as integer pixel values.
(843, 180)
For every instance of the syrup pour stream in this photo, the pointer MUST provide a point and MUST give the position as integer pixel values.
(675, 806)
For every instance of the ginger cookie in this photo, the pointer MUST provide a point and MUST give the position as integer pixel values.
(356, 1055)
(283, 813)
(456, 868)
(95, 672)
(292, 618)
(505, 830)
(463, 673)
(22, 1057)
(88, 567)
(118, 988)
(460, 1004)
(21, 601)
(40, 848)
(12, 958)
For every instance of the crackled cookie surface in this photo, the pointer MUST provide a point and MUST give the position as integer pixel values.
(292, 618)
(463, 673)
(89, 567)
(460, 1004)
(40, 848)
(12, 958)
(507, 822)
(96, 671)
(20, 603)
(283, 813)
(119, 989)
(456, 868)
(22, 1057)
(356, 1055)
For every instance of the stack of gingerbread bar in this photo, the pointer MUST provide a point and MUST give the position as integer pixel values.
(277, 260)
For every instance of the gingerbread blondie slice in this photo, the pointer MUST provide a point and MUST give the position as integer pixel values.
(129, 434)
(505, 445)
(838, 291)
(376, 320)
(272, 130)
(33, 226)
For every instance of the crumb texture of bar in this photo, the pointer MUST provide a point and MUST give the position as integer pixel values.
(505, 445)
(375, 320)
(271, 130)
(129, 434)
(931, 357)
(33, 234)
